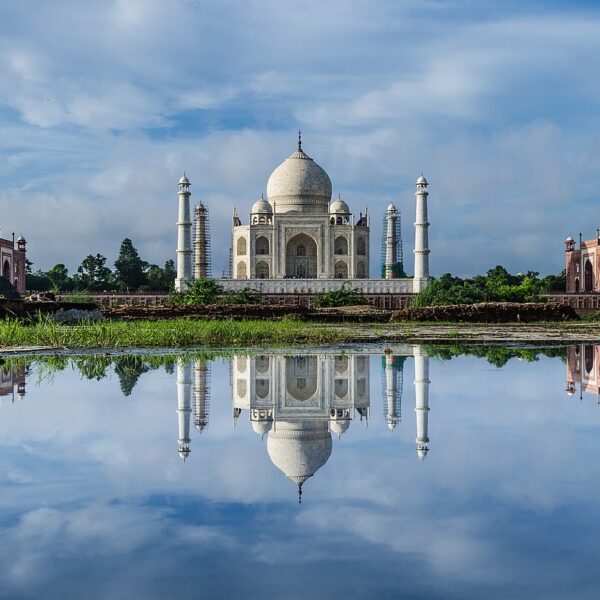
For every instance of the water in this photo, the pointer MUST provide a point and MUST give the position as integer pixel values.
(488, 489)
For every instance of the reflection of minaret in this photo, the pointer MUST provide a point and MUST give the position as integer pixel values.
(422, 400)
(394, 366)
(201, 395)
(184, 406)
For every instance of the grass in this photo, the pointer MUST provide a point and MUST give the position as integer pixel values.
(188, 333)
(180, 333)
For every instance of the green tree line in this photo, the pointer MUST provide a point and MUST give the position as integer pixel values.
(130, 273)
(498, 285)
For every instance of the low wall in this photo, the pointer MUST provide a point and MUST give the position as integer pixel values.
(581, 303)
(319, 286)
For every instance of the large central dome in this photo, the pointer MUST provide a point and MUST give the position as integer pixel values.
(299, 184)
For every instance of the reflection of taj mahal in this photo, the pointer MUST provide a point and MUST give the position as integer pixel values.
(299, 401)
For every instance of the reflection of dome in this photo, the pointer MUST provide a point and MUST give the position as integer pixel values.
(184, 452)
(299, 184)
(262, 206)
(422, 452)
(339, 427)
(299, 448)
(262, 427)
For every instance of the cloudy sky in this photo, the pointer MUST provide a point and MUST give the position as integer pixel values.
(104, 103)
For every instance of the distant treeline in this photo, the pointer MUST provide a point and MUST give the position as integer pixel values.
(497, 285)
(131, 274)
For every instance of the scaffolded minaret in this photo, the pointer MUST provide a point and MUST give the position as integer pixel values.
(201, 242)
(184, 237)
(201, 395)
(184, 406)
(421, 251)
(422, 400)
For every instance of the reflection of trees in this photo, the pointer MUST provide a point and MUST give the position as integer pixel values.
(128, 367)
(495, 355)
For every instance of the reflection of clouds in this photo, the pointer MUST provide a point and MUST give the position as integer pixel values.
(513, 461)
(447, 544)
(46, 538)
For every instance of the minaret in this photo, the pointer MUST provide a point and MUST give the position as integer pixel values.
(391, 243)
(421, 277)
(184, 406)
(392, 408)
(421, 400)
(201, 242)
(184, 237)
(201, 398)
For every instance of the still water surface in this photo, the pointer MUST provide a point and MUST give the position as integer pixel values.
(419, 475)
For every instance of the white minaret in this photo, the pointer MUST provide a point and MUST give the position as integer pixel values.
(421, 400)
(184, 237)
(391, 243)
(184, 406)
(391, 393)
(421, 251)
(200, 395)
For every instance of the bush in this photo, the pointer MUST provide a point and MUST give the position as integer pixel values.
(244, 296)
(200, 292)
(342, 297)
(7, 291)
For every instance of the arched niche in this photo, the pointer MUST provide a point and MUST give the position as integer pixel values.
(340, 245)
(361, 247)
(341, 270)
(262, 269)
(261, 245)
(242, 271)
(242, 246)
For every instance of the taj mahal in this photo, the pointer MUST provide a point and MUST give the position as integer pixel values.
(299, 240)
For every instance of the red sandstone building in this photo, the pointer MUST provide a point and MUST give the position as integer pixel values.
(583, 266)
(12, 262)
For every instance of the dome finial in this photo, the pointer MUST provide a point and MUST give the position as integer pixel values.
(299, 141)
(299, 493)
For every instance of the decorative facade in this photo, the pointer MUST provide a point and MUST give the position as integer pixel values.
(298, 233)
(13, 262)
(582, 266)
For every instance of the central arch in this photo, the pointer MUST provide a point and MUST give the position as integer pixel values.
(301, 257)
(6, 270)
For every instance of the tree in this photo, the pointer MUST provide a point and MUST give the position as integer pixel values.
(92, 274)
(160, 279)
(130, 267)
(59, 275)
(38, 282)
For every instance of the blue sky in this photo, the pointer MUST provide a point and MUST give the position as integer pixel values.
(104, 104)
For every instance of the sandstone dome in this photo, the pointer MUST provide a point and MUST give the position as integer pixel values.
(299, 184)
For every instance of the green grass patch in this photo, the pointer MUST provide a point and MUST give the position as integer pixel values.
(179, 333)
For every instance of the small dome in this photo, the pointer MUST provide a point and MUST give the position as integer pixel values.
(185, 180)
(570, 393)
(262, 206)
(422, 453)
(569, 239)
(21, 239)
(422, 180)
(339, 206)
(184, 453)
(391, 207)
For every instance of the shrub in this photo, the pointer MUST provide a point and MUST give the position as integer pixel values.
(343, 297)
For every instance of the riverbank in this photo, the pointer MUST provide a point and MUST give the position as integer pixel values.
(185, 333)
